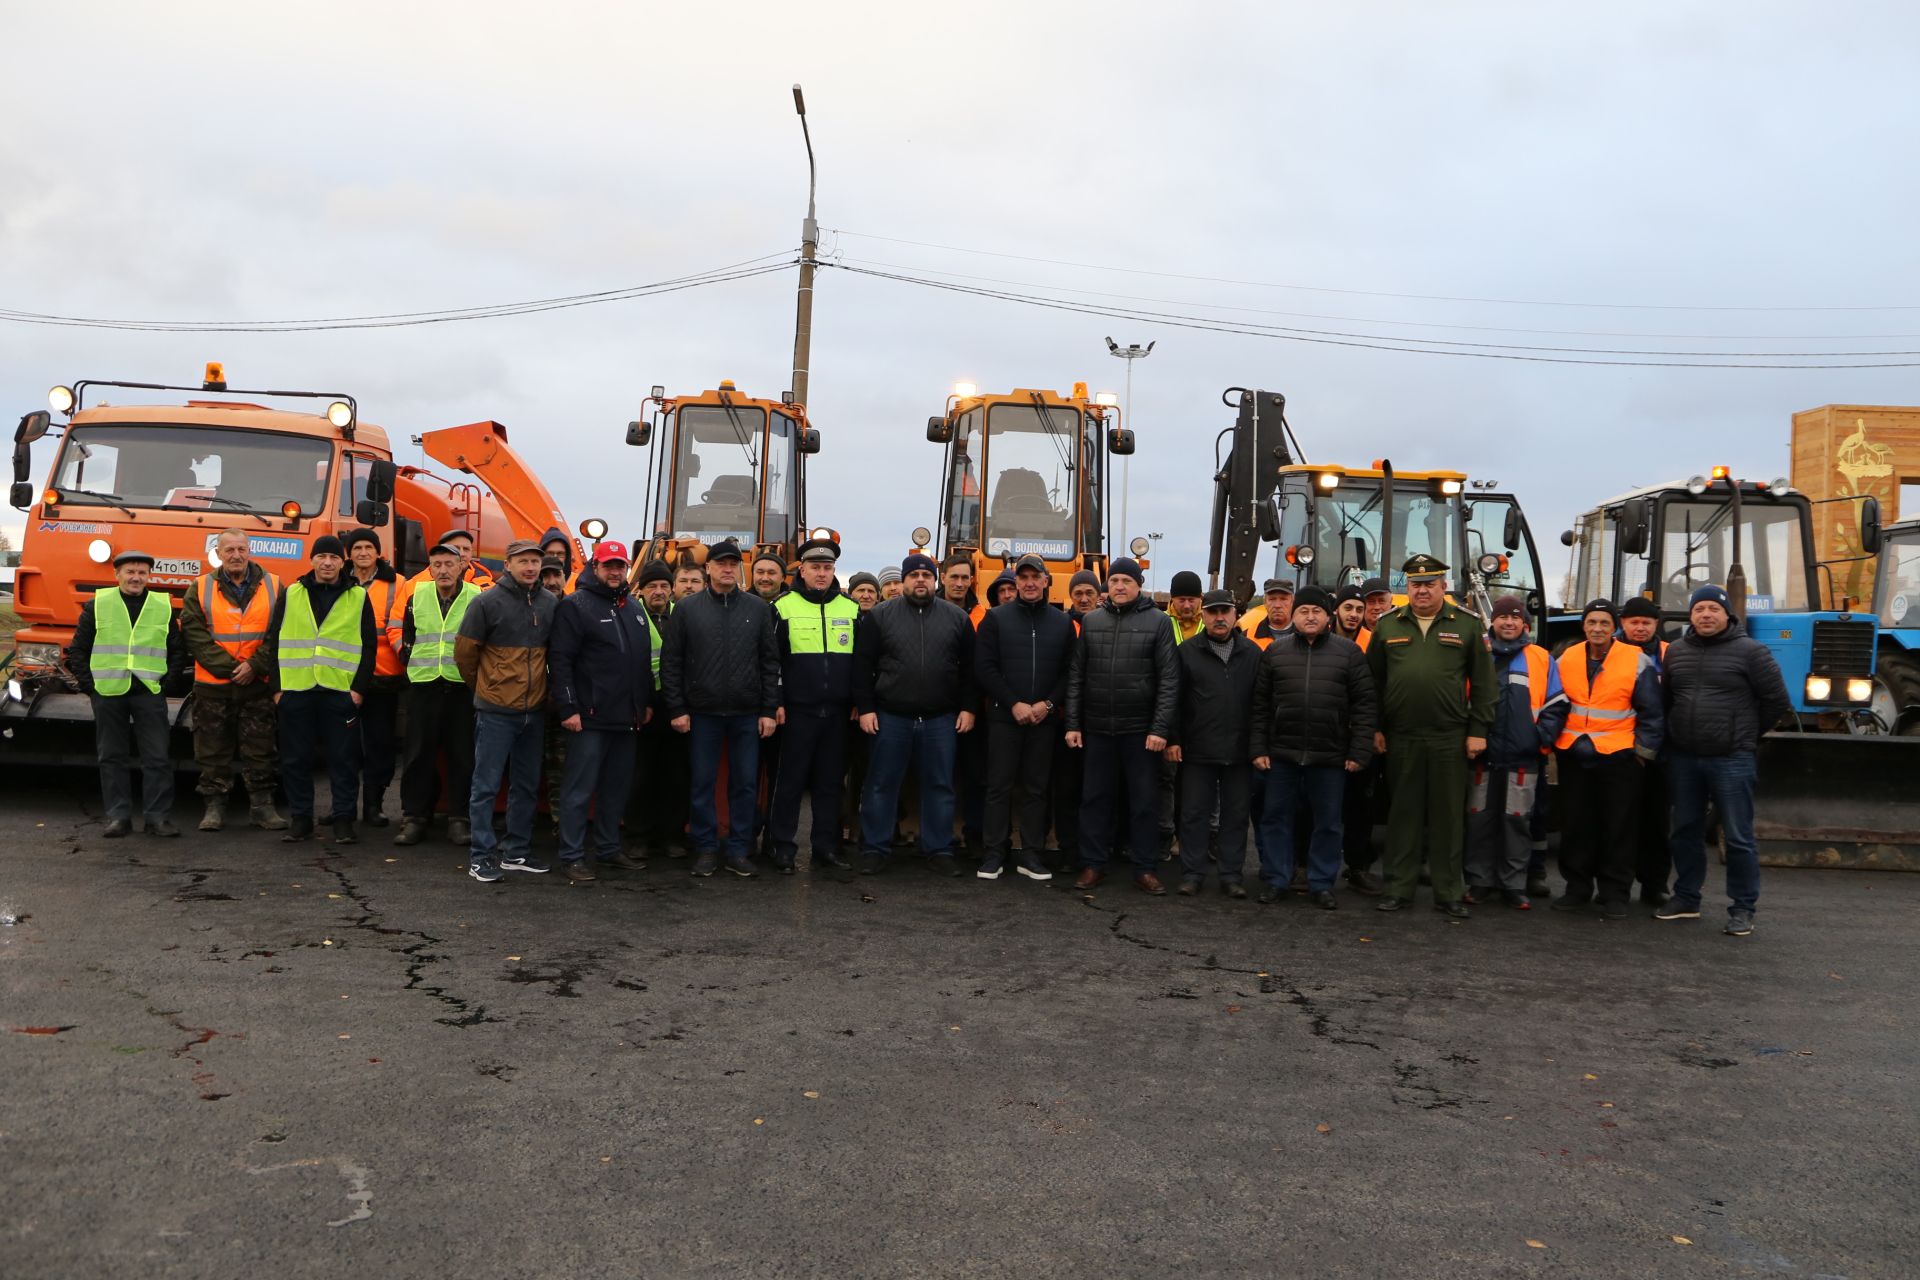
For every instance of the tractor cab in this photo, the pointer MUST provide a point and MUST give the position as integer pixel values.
(1026, 474)
(723, 465)
(1339, 526)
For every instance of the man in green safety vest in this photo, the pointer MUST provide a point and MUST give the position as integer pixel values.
(813, 629)
(127, 655)
(439, 701)
(320, 651)
(657, 803)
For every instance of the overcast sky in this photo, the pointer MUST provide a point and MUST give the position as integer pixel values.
(212, 162)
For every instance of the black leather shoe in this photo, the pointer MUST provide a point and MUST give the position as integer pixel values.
(872, 864)
(1324, 900)
(1270, 893)
(1233, 890)
(832, 858)
(1571, 902)
(298, 828)
(1188, 888)
(946, 865)
(117, 828)
(1390, 903)
(1653, 897)
(1366, 884)
(1453, 910)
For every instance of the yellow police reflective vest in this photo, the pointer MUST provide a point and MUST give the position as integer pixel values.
(434, 633)
(818, 628)
(123, 648)
(656, 644)
(311, 654)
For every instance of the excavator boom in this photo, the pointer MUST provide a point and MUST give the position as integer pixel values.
(480, 449)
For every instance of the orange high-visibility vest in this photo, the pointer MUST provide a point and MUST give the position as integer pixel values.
(1603, 713)
(389, 612)
(238, 631)
(1365, 638)
(1539, 665)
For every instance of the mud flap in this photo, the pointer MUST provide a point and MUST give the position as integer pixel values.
(1838, 800)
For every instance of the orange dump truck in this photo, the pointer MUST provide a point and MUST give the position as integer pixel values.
(166, 479)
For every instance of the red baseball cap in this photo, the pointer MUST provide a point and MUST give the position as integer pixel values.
(606, 551)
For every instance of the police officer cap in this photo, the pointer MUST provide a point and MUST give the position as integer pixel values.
(1220, 598)
(1424, 566)
(1375, 587)
(725, 549)
(1277, 584)
(818, 549)
(133, 557)
(1639, 607)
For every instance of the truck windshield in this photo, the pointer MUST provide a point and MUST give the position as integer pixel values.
(1346, 533)
(716, 473)
(1900, 574)
(1030, 483)
(217, 468)
(1696, 547)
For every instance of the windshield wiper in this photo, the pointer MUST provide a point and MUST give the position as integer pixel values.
(1055, 432)
(739, 430)
(107, 498)
(233, 504)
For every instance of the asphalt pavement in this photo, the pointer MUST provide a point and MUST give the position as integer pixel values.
(228, 1056)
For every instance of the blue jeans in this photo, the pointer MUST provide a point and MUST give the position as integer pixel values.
(1728, 781)
(930, 743)
(597, 776)
(1322, 790)
(506, 745)
(738, 737)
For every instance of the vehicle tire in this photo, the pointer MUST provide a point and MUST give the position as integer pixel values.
(1899, 673)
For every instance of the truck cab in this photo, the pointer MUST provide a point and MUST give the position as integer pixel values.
(721, 465)
(1665, 540)
(1337, 526)
(1026, 473)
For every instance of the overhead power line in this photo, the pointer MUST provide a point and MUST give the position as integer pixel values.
(1377, 342)
(748, 269)
(1367, 293)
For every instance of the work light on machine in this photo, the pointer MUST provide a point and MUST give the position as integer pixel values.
(1819, 689)
(61, 398)
(1448, 488)
(921, 537)
(1492, 565)
(965, 389)
(593, 527)
(1300, 556)
(99, 551)
(1782, 486)
(1859, 689)
(1328, 480)
(1108, 399)
(340, 413)
(1696, 485)
(825, 534)
(1139, 546)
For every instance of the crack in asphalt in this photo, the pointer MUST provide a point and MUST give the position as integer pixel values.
(466, 1013)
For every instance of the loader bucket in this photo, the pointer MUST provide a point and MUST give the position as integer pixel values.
(1838, 800)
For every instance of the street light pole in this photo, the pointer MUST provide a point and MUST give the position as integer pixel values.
(809, 247)
(1129, 353)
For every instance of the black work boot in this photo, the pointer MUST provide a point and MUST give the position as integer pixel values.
(300, 828)
(343, 832)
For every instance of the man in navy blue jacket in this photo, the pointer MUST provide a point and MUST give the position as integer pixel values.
(601, 660)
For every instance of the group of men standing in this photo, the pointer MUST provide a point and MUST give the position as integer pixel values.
(1108, 725)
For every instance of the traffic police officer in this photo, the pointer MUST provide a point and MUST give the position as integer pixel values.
(814, 631)
(1434, 676)
(126, 653)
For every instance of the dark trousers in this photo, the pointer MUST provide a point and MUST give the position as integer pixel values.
(813, 763)
(770, 772)
(233, 733)
(904, 742)
(1203, 788)
(1069, 778)
(439, 722)
(1426, 808)
(1120, 771)
(1500, 825)
(1600, 822)
(970, 781)
(594, 781)
(1019, 756)
(379, 741)
(1727, 781)
(657, 800)
(1356, 819)
(127, 726)
(859, 748)
(1319, 792)
(322, 721)
(1653, 864)
(738, 739)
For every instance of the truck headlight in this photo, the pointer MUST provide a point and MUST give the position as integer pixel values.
(37, 655)
(1859, 689)
(1819, 689)
(15, 692)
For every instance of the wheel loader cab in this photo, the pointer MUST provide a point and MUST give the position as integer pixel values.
(726, 466)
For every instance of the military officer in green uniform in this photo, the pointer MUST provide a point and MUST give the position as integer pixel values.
(813, 630)
(1434, 676)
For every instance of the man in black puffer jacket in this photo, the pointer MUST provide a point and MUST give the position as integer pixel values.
(720, 679)
(1210, 744)
(913, 687)
(1723, 690)
(1314, 713)
(1122, 691)
(601, 664)
(1020, 659)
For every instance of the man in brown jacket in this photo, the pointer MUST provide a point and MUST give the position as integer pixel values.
(502, 654)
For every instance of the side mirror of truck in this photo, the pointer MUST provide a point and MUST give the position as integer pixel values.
(32, 426)
(380, 479)
(1120, 441)
(939, 430)
(1635, 523)
(639, 433)
(21, 494)
(1510, 531)
(369, 513)
(810, 440)
(1268, 519)
(1869, 525)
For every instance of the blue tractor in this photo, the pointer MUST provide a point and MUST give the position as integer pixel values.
(1896, 606)
(1837, 783)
